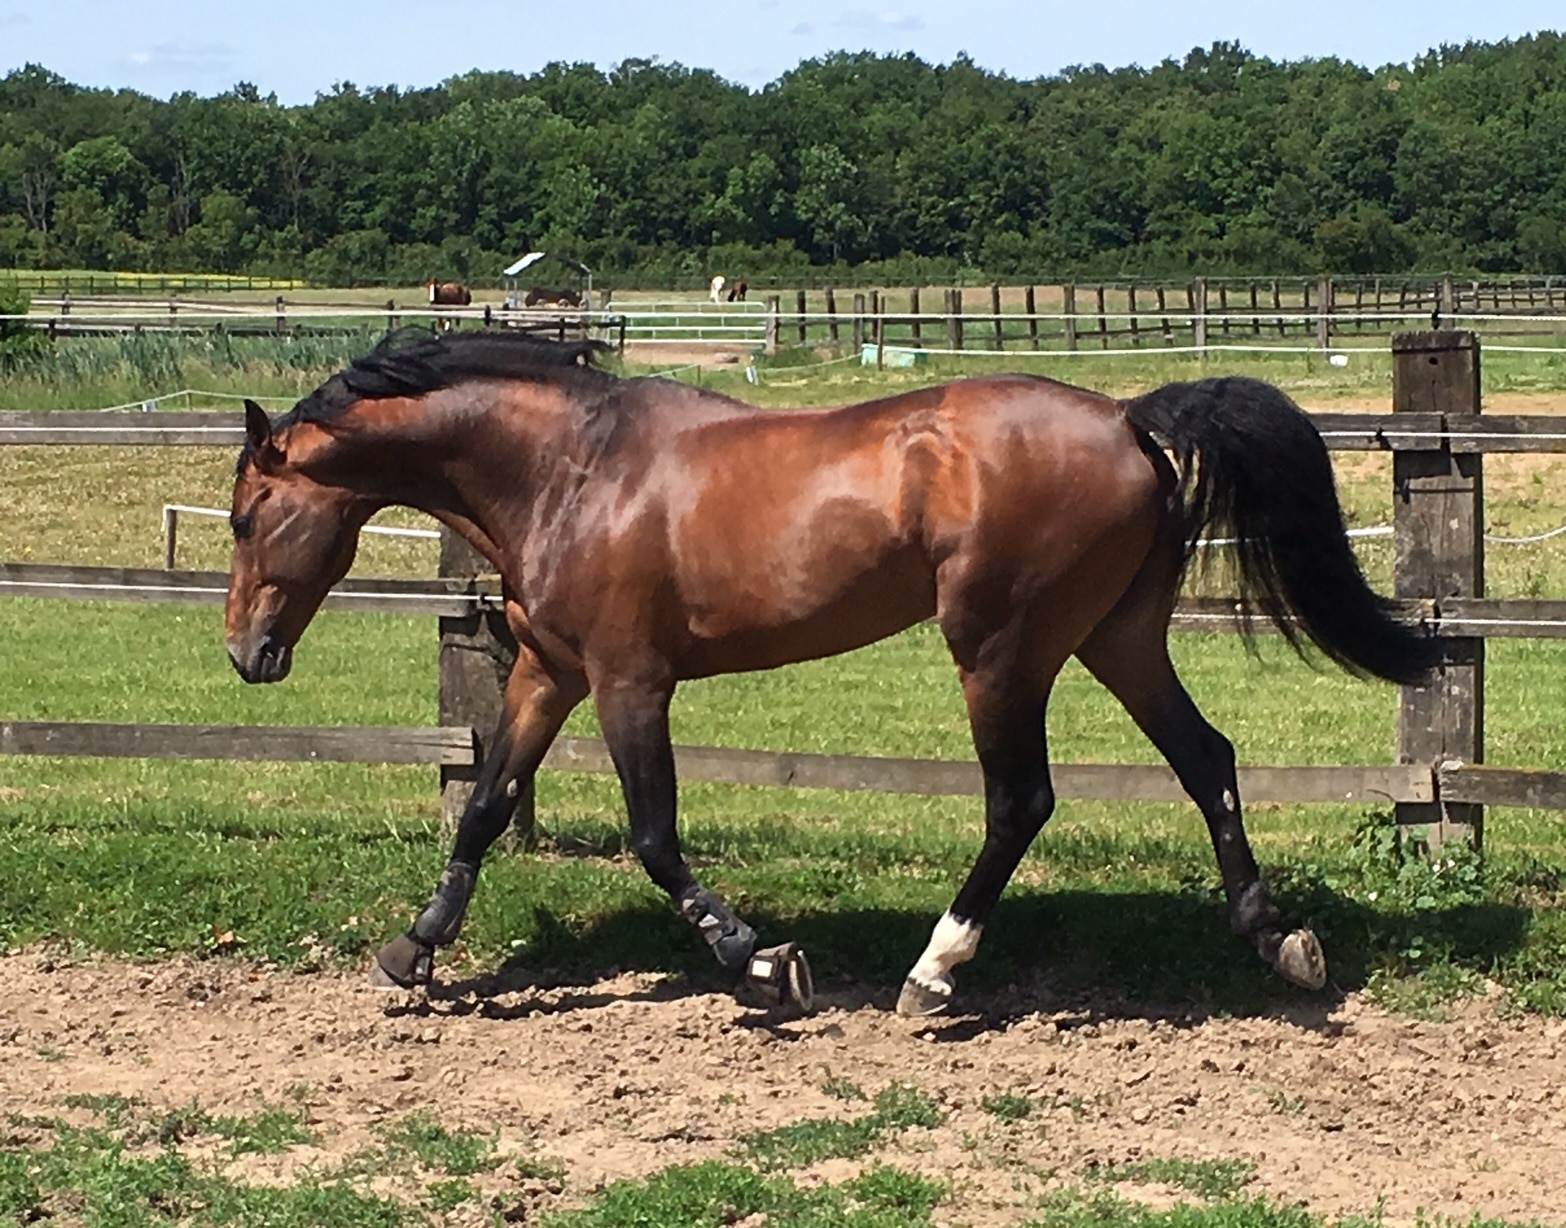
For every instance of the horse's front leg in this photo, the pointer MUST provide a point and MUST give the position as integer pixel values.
(635, 721)
(537, 703)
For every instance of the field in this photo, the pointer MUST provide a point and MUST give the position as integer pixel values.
(187, 1036)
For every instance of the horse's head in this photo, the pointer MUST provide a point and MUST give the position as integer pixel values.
(294, 537)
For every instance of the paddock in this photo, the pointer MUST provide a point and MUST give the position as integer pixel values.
(1114, 1034)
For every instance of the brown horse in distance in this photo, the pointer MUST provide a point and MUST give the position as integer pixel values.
(647, 532)
(449, 294)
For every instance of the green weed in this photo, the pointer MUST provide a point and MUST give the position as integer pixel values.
(713, 1194)
(802, 1143)
(1210, 1179)
(1006, 1106)
(458, 1153)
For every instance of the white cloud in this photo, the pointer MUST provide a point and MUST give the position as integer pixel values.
(182, 57)
(803, 30)
(888, 21)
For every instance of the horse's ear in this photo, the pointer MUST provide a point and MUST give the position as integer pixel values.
(258, 432)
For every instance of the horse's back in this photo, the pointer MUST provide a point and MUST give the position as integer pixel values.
(802, 533)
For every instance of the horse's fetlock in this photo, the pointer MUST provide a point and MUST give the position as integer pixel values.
(1253, 911)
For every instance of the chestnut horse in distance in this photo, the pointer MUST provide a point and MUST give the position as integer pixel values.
(646, 531)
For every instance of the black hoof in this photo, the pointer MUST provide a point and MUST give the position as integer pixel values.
(405, 962)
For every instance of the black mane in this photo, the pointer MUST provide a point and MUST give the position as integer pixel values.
(413, 361)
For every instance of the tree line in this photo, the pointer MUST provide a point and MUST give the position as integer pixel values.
(1220, 162)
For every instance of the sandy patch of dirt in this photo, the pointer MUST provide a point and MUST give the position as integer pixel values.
(1336, 1103)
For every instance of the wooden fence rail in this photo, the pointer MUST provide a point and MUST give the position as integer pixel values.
(1437, 436)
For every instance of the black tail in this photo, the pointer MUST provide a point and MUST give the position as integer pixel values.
(1253, 468)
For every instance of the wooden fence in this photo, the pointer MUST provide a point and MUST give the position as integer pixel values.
(1435, 432)
(1199, 314)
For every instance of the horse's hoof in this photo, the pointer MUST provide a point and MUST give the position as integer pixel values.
(1301, 961)
(403, 963)
(919, 1001)
(782, 974)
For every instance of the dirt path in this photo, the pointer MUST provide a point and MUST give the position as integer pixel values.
(1337, 1106)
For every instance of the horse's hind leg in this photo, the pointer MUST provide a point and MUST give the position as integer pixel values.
(1129, 654)
(1006, 710)
(537, 703)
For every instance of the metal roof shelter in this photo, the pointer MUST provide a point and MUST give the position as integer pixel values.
(513, 270)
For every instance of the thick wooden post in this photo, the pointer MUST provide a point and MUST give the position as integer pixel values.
(875, 317)
(477, 652)
(1068, 309)
(857, 326)
(1030, 309)
(913, 314)
(831, 311)
(954, 319)
(799, 311)
(282, 319)
(1324, 313)
(995, 312)
(1199, 314)
(1438, 543)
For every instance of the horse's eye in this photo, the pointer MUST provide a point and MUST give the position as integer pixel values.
(242, 526)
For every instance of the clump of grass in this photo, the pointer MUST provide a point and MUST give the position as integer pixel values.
(457, 1153)
(1210, 1179)
(716, 1193)
(802, 1143)
(269, 1131)
(842, 1089)
(1006, 1106)
(93, 1176)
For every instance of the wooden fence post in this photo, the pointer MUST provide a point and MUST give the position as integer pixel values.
(1324, 313)
(1030, 309)
(799, 309)
(954, 319)
(282, 319)
(831, 311)
(875, 317)
(913, 314)
(857, 323)
(995, 311)
(476, 655)
(1068, 309)
(1199, 314)
(769, 327)
(1438, 553)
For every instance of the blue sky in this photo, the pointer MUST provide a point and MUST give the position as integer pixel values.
(296, 48)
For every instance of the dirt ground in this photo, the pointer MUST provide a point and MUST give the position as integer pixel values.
(1338, 1104)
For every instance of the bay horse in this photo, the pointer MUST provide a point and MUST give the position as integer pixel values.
(647, 531)
(449, 294)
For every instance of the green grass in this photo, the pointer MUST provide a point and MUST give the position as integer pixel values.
(457, 1153)
(116, 1174)
(803, 1143)
(1209, 1179)
(717, 1193)
(305, 863)
(1007, 1106)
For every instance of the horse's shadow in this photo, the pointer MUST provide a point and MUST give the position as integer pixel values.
(1082, 957)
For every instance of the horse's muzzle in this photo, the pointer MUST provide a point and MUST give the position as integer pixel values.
(266, 660)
